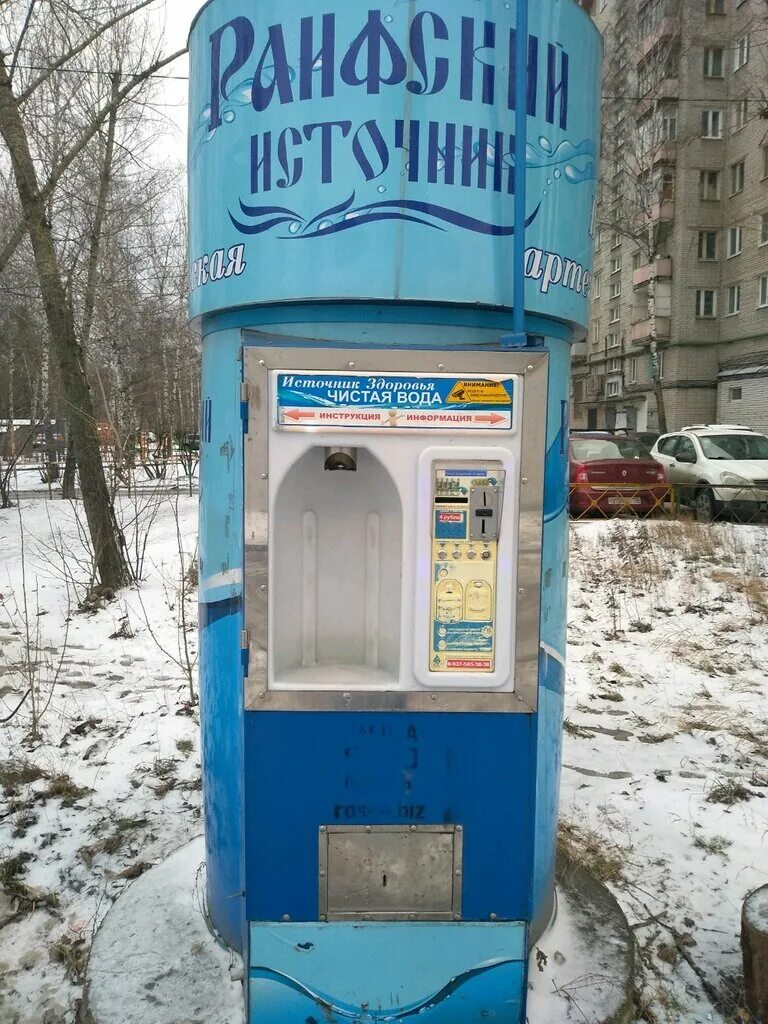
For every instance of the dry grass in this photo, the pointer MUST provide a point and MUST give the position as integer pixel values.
(729, 792)
(73, 955)
(25, 897)
(14, 774)
(122, 831)
(576, 845)
(716, 845)
(61, 787)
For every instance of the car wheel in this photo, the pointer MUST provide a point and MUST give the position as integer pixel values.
(706, 507)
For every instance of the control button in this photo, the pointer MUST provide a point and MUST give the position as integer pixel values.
(457, 553)
(471, 553)
(486, 555)
(442, 555)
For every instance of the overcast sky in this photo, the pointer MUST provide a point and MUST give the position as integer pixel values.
(176, 17)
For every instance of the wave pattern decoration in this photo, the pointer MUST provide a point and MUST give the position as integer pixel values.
(345, 216)
(448, 1006)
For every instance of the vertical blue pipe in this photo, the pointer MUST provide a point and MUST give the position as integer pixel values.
(521, 145)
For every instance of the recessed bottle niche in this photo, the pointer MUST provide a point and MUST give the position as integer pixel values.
(336, 536)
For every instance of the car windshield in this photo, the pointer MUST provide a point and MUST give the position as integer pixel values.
(735, 446)
(596, 449)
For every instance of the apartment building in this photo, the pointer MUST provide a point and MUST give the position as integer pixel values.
(679, 312)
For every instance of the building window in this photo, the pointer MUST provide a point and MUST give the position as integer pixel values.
(596, 333)
(740, 114)
(713, 62)
(667, 126)
(612, 340)
(735, 394)
(596, 286)
(660, 362)
(666, 183)
(614, 365)
(615, 240)
(614, 315)
(741, 54)
(707, 245)
(632, 373)
(706, 303)
(615, 289)
(763, 229)
(616, 264)
(734, 299)
(765, 162)
(715, 6)
(709, 185)
(612, 389)
(712, 124)
(762, 292)
(738, 175)
(735, 236)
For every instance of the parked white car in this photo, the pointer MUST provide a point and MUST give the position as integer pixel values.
(717, 468)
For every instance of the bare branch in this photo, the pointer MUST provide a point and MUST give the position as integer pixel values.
(20, 40)
(74, 152)
(82, 45)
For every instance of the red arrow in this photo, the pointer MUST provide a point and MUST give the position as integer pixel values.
(297, 414)
(493, 418)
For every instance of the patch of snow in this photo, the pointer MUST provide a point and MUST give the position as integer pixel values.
(155, 957)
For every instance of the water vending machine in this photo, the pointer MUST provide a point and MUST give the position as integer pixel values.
(390, 255)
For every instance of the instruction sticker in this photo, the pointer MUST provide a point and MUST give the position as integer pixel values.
(393, 401)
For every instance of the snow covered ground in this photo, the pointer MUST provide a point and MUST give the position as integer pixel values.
(112, 782)
(665, 773)
(666, 747)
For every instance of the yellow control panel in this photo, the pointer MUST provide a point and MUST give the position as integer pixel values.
(467, 505)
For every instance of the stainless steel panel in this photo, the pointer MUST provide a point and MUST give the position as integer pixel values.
(485, 513)
(533, 370)
(390, 873)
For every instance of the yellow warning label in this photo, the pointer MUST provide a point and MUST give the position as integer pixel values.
(479, 392)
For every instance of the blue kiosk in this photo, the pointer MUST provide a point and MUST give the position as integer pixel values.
(391, 218)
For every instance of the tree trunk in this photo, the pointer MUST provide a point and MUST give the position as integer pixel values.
(102, 525)
(754, 947)
(68, 488)
(658, 387)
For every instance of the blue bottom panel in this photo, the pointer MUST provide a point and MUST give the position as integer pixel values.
(376, 973)
(304, 770)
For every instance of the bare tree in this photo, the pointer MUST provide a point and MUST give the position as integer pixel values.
(86, 24)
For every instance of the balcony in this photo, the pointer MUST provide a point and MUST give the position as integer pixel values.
(661, 211)
(641, 332)
(667, 28)
(579, 352)
(667, 89)
(661, 269)
(664, 152)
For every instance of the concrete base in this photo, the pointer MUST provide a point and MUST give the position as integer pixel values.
(154, 960)
(583, 967)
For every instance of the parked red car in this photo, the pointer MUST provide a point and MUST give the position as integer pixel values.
(610, 474)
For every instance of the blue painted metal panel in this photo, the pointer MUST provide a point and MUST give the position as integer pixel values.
(347, 973)
(318, 137)
(554, 593)
(222, 757)
(221, 688)
(383, 326)
(305, 770)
